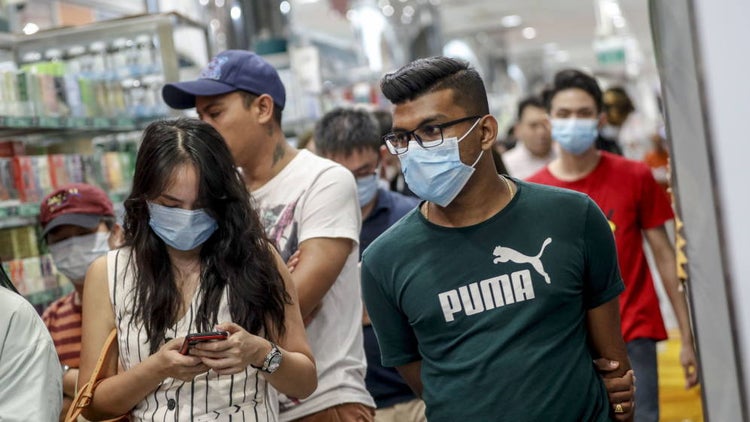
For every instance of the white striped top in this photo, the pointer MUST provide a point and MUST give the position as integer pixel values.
(245, 396)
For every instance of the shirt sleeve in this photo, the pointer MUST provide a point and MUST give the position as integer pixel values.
(30, 372)
(398, 344)
(654, 207)
(602, 279)
(331, 208)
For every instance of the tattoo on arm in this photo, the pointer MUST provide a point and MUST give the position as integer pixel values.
(278, 153)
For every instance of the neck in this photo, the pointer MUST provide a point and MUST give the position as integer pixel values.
(267, 162)
(570, 167)
(536, 154)
(472, 205)
(184, 262)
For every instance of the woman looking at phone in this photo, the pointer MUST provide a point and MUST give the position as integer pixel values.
(196, 259)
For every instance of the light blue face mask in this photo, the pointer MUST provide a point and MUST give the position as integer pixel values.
(575, 135)
(181, 229)
(437, 174)
(367, 187)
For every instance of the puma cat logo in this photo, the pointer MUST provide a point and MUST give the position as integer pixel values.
(505, 254)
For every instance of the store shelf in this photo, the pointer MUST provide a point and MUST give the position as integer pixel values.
(46, 296)
(17, 214)
(24, 125)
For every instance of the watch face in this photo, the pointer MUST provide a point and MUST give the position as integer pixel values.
(275, 362)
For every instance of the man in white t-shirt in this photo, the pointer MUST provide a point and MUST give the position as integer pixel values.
(309, 206)
(533, 150)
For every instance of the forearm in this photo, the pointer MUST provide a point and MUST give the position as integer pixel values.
(70, 378)
(296, 376)
(118, 394)
(605, 338)
(666, 265)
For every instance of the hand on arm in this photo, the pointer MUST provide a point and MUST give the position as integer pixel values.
(296, 376)
(605, 340)
(664, 256)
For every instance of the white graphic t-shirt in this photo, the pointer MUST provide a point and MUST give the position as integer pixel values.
(312, 198)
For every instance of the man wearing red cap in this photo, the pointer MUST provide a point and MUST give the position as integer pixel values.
(78, 224)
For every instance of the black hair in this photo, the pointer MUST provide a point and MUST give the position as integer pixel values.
(385, 121)
(237, 257)
(432, 74)
(249, 97)
(345, 130)
(574, 78)
(532, 101)
(627, 103)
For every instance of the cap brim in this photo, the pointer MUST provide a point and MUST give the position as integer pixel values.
(181, 95)
(89, 221)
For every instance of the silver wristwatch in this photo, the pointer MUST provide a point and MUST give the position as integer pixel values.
(272, 361)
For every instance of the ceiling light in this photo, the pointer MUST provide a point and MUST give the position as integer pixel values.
(510, 21)
(388, 10)
(408, 11)
(529, 33)
(30, 28)
(285, 7)
(351, 15)
(235, 12)
(405, 19)
(562, 56)
(618, 21)
(203, 2)
(219, 3)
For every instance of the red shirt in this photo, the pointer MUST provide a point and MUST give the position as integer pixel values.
(632, 201)
(63, 320)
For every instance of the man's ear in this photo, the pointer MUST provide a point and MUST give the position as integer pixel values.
(265, 107)
(488, 126)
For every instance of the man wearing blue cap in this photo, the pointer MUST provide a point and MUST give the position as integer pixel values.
(308, 205)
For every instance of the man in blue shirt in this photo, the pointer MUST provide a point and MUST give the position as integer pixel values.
(351, 138)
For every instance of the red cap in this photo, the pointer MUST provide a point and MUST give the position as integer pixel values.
(77, 204)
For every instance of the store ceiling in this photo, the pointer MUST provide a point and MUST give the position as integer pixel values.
(569, 24)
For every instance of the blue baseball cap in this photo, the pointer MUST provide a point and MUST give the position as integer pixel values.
(229, 71)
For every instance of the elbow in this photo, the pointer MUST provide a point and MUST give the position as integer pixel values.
(310, 385)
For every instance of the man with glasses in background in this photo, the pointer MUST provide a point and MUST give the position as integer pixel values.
(492, 296)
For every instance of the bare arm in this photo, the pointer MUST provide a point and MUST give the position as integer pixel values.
(605, 340)
(412, 374)
(119, 393)
(320, 262)
(664, 256)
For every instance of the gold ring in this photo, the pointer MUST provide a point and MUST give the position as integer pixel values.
(619, 409)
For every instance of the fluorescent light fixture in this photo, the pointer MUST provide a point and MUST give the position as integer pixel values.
(510, 21)
(529, 33)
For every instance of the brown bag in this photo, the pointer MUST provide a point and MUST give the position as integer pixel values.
(86, 394)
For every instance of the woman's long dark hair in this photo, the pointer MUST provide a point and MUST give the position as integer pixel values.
(236, 257)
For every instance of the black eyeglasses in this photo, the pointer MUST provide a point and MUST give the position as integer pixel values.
(427, 136)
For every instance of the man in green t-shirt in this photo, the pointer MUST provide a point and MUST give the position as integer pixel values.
(494, 295)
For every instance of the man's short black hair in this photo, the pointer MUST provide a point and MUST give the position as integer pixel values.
(574, 78)
(345, 130)
(532, 101)
(432, 74)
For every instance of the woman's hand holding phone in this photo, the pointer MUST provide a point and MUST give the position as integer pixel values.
(234, 354)
(176, 365)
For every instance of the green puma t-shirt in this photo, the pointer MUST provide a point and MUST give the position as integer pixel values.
(496, 311)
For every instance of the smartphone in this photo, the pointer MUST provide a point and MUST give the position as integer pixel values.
(195, 338)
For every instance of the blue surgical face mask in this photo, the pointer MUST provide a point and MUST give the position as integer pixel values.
(437, 174)
(367, 188)
(181, 229)
(73, 256)
(574, 135)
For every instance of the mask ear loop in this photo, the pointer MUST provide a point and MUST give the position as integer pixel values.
(467, 134)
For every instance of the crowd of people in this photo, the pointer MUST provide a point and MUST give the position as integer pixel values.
(390, 270)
